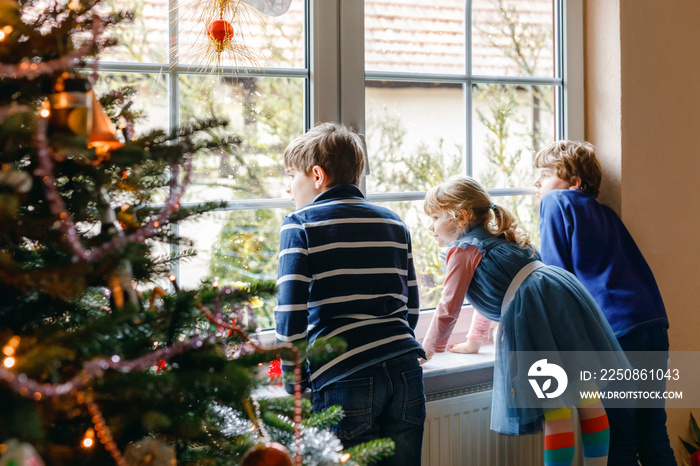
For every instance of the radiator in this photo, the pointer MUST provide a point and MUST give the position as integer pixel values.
(457, 434)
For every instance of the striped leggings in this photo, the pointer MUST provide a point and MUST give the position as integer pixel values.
(559, 438)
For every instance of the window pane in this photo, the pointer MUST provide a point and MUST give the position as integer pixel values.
(149, 103)
(511, 123)
(513, 37)
(145, 39)
(415, 134)
(235, 246)
(259, 40)
(267, 113)
(150, 98)
(527, 211)
(430, 272)
(418, 36)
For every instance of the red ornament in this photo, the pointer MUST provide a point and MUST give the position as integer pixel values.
(233, 323)
(269, 454)
(220, 31)
(695, 459)
(161, 365)
(274, 371)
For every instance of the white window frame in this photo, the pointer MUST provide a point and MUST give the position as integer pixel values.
(335, 89)
(337, 74)
(337, 82)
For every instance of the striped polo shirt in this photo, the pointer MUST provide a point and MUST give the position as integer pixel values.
(346, 270)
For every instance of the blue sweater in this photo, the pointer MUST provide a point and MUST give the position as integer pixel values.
(346, 270)
(589, 240)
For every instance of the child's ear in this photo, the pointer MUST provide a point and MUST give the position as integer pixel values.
(320, 177)
(464, 218)
(576, 185)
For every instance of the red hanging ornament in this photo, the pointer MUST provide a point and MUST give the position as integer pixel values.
(161, 366)
(220, 31)
(274, 373)
(233, 323)
(224, 24)
(268, 454)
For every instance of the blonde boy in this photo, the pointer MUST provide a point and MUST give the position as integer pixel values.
(346, 270)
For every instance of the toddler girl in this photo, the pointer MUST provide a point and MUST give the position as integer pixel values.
(540, 308)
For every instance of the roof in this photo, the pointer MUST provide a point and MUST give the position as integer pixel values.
(422, 36)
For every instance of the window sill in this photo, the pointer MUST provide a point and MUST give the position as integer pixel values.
(446, 375)
(451, 374)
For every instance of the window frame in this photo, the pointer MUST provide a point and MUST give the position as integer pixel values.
(334, 78)
(338, 76)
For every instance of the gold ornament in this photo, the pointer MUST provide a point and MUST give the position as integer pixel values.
(267, 454)
(71, 106)
(103, 136)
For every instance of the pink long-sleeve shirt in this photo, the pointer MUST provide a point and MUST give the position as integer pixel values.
(461, 264)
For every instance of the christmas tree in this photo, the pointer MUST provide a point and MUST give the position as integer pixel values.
(105, 359)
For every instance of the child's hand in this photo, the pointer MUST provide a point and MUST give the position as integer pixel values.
(429, 355)
(468, 347)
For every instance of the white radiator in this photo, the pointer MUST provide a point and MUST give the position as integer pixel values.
(457, 434)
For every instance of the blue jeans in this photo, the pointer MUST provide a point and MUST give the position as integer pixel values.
(640, 434)
(385, 400)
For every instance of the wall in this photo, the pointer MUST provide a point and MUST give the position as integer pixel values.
(642, 112)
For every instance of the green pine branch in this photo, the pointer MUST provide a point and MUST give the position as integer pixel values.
(372, 451)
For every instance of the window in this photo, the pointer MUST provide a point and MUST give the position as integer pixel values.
(163, 55)
(457, 86)
(474, 87)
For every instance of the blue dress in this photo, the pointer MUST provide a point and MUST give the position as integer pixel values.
(551, 313)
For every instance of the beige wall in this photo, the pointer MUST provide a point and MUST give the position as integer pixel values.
(643, 113)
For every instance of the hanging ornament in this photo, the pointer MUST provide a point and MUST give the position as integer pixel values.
(20, 454)
(267, 454)
(220, 32)
(161, 366)
(103, 135)
(224, 24)
(274, 372)
(70, 106)
(149, 452)
(121, 278)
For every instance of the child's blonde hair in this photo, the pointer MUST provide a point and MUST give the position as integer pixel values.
(331, 146)
(466, 201)
(571, 160)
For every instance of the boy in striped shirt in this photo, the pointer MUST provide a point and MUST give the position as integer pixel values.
(346, 270)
